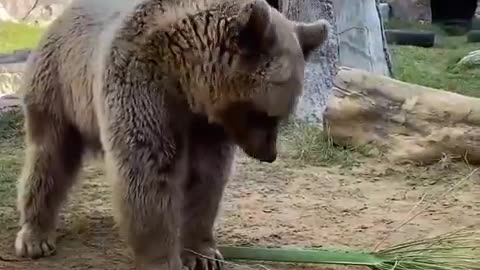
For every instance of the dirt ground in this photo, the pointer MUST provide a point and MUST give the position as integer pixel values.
(276, 204)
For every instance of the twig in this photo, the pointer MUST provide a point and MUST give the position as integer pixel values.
(428, 206)
(392, 230)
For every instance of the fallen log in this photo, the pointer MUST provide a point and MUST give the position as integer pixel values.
(408, 122)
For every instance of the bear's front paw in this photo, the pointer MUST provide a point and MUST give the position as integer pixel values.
(204, 259)
(32, 244)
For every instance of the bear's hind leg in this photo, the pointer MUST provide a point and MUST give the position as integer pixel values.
(211, 156)
(53, 157)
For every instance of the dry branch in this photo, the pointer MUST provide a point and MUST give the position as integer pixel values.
(411, 123)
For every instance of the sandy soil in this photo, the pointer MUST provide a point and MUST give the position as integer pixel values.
(276, 205)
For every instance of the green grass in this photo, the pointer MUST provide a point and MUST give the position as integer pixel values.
(435, 67)
(309, 144)
(11, 143)
(15, 36)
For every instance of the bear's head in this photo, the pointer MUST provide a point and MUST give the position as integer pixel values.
(266, 79)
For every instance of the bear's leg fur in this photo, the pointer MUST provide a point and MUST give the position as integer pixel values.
(147, 200)
(210, 161)
(54, 151)
(145, 152)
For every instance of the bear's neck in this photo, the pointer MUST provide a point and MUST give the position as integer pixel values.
(195, 47)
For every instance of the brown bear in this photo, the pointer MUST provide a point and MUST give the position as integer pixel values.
(165, 90)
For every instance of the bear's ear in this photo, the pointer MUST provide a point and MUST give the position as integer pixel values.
(312, 35)
(255, 23)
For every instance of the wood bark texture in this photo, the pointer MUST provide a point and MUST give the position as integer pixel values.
(410, 123)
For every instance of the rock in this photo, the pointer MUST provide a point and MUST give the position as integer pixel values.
(411, 10)
(359, 47)
(471, 60)
(410, 123)
(385, 11)
(34, 10)
(364, 49)
(4, 16)
(321, 69)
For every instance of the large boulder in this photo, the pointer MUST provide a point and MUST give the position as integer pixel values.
(362, 43)
(33, 10)
(4, 16)
(321, 69)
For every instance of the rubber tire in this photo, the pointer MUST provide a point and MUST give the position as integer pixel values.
(424, 39)
(17, 56)
(473, 36)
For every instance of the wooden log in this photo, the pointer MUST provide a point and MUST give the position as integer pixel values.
(410, 123)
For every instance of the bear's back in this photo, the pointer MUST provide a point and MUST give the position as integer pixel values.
(78, 34)
(67, 57)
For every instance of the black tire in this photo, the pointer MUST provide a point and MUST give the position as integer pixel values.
(15, 57)
(407, 37)
(473, 36)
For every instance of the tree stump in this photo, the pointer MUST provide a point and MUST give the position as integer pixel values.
(410, 123)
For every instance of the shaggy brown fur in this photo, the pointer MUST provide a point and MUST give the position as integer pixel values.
(165, 89)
